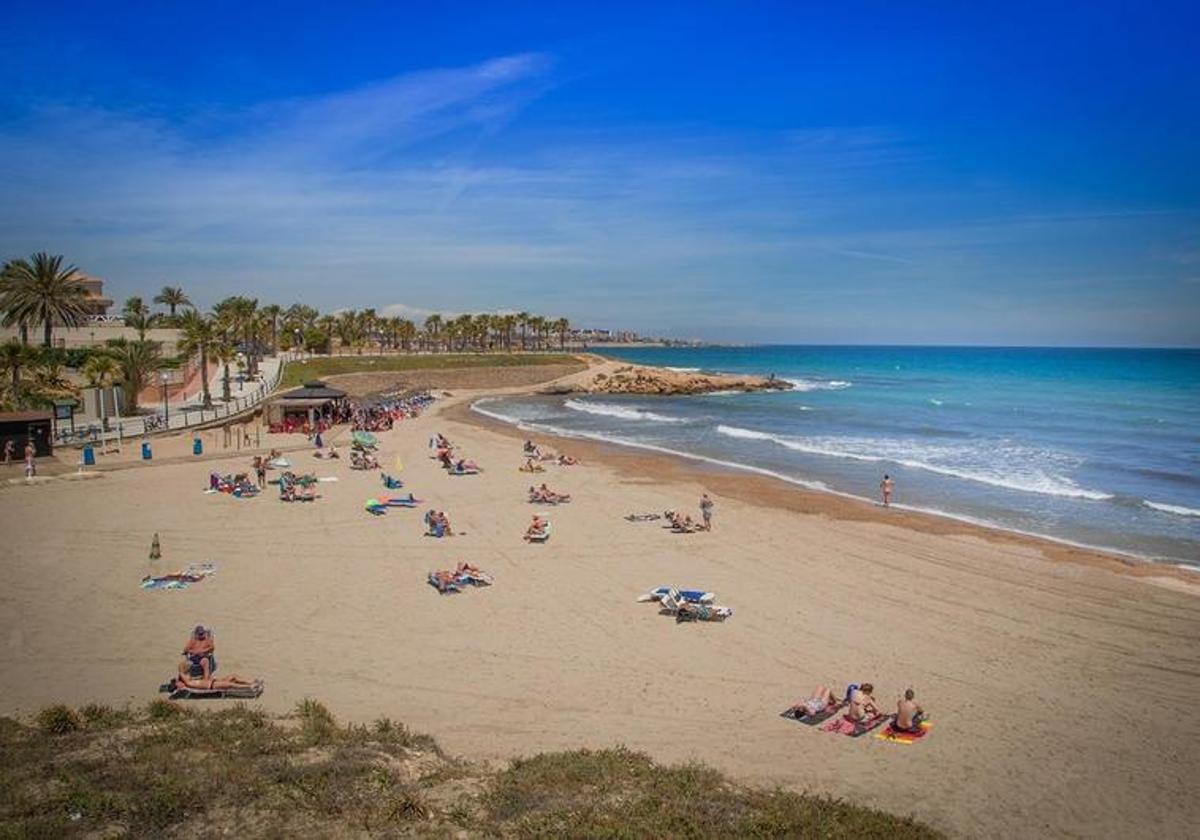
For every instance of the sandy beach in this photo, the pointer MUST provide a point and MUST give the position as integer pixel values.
(1059, 681)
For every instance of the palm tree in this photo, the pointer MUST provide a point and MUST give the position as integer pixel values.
(7, 282)
(172, 296)
(199, 338)
(433, 326)
(137, 362)
(523, 320)
(406, 330)
(99, 369)
(561, 326)
(49, 382)
(136, 315)
(328, 325)
(14, 357)
(224, 352)
(40, 290)
(271, 316)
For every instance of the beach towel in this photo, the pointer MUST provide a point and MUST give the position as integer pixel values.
(399, 501)
(444, 587)
(701, 612)
(174, 691)
(898, 737)
(279, 463)
(643, 517)
(851, 729)
(179, 580)
(800, 714)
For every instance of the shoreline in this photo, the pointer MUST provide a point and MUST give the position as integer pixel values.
(998, 641)
(750, 484)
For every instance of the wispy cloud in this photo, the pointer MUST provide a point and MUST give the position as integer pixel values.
(432, 188)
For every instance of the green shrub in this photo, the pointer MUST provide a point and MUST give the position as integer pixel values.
(59, 720)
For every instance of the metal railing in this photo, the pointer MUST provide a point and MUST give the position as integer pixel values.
(186, 416)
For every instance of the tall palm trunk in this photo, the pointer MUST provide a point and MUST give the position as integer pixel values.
(47, 332)
(204, 377)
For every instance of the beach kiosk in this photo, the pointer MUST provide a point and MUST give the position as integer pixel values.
(23, 426)
(303, 405)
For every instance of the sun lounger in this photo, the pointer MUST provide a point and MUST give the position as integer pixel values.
(695, 596)
(179, 580)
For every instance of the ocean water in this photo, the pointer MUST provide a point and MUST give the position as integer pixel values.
(1096, 447)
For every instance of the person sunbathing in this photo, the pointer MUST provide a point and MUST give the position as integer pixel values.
(862, 704)
(820, 700)
(908, 714)
(213, 684)
(568, 461)
(463, 465)
(531, 467)
(536, 495)
(552, 497)
(465, 568)
(536, 529)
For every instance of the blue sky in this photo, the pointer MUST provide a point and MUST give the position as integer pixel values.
(982, 173)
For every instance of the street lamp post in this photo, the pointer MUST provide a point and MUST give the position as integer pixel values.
(299, 347)
(166, 405)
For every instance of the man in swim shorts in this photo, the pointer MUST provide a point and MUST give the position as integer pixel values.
(886, 487)
(908, 714)
(198, 653)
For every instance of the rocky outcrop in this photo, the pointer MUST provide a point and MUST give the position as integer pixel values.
(632, 379)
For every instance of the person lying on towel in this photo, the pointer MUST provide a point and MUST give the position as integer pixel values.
(817, 702)
(198, 654)
(213, 684)
(908, 714)
(862, 704)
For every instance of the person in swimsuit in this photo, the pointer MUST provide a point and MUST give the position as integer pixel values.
(862, 704)
(908, 714)
(198, 654)
(212, 684)
(885, 488)
(820, 700)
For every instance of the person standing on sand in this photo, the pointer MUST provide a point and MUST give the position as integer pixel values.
(30, 465)
(886, 487)
(10, 449)
(706, 510)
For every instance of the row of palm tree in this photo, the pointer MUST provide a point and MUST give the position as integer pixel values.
(42, 292)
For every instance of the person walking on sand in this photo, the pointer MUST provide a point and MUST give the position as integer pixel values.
(706, 511)
(886, 487)
(10, 449)
(30, 464)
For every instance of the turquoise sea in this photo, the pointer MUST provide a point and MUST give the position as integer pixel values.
(1099, 447)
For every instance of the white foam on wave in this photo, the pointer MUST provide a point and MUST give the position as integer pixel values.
(684, 370)
(1178, 510)
(620, 411)
(811, 485)
(935, 401)
(1016, 468)
(603, 438)
(817, 384)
